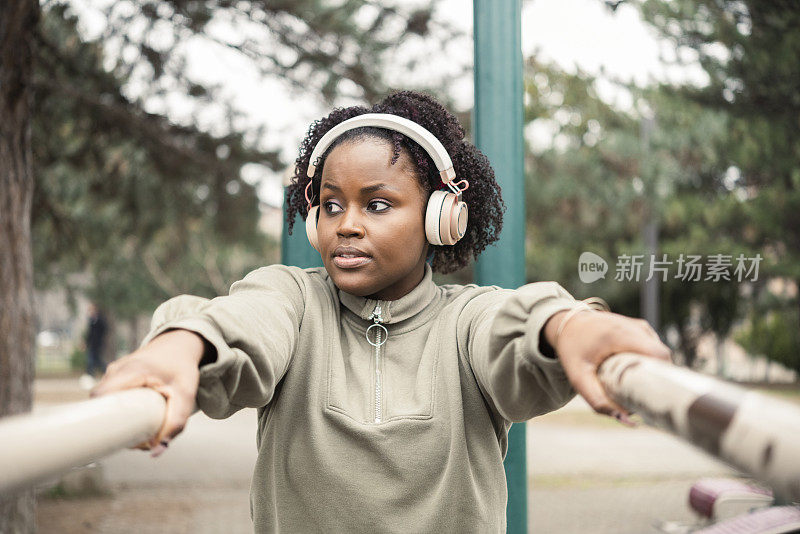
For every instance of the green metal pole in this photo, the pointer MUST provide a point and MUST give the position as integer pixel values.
(498, 120)
(295, 248)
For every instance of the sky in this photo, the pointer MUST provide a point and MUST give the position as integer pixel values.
(571, 33)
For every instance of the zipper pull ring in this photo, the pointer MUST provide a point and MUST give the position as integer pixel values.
(381, 333)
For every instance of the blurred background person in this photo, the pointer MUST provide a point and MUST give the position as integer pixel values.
(95, 340)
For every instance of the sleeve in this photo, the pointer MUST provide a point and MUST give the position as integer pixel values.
(516, 378)
(254, 331)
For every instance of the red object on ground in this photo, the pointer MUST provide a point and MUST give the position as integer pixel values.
(708, 492)
(773, 520)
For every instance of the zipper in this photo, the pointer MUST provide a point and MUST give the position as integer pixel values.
(381, 334)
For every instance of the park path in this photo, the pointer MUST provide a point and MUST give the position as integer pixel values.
(586, 474)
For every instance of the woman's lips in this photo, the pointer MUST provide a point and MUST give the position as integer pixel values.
(350, 262)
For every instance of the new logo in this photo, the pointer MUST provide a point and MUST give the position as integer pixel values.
(591, 267)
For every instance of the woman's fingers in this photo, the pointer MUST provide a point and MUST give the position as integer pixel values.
(650, 331)
(120, 374)
(125, 374)
(175, 417)
(647, 329)
(167, 364)
(642, 339)
(601, 337)
(180, 396)
(590, 388)
(178, 411)
(588, 385)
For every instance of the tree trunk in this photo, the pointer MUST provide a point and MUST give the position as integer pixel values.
(18, 19)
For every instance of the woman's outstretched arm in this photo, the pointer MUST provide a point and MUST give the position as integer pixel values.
(526, 367)
(223, 354)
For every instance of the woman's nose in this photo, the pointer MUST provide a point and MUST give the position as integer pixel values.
(350, 224)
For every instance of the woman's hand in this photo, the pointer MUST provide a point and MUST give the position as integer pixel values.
(587, 339)
(168, 364)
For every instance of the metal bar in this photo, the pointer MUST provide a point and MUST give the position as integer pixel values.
(36, 447)
(295, 248)
(755, 433)
(498, 118)
(498, 128)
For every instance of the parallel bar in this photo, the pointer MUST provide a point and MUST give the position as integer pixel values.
(756, 434)
(40, 446)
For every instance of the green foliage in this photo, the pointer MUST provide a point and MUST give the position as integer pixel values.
(77, 360)
(749, 51)
(332, 49)
(148, 208)
(579, 192)
(717, 167)
(600, 183)
(773, 334)
(118, 189)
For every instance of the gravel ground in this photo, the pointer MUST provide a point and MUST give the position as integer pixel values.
(176, 509)
(608, 506)
(596, 506)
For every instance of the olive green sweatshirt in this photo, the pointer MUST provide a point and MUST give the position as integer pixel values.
(401, 431)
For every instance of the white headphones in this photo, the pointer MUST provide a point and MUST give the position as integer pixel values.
(446, 214)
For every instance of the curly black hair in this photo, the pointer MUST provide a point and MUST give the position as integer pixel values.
(486, 206)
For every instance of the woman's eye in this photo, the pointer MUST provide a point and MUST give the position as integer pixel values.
(331, 207)
(378, 205)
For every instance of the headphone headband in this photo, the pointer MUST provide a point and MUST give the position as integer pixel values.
(423, 137)
(445, 215)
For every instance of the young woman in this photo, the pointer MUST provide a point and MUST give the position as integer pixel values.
(384, 399)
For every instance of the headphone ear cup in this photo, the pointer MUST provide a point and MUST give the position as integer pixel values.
(432, 215)
(458, 220)
(311, 226)
(445, 218)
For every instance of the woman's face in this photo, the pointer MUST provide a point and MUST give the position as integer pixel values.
(371, 225)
